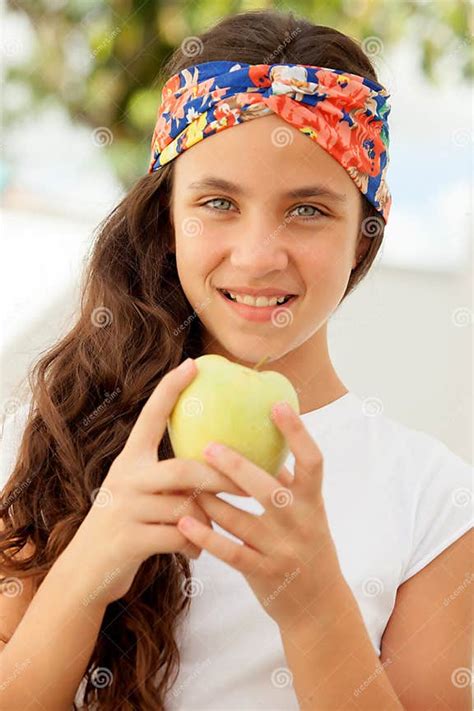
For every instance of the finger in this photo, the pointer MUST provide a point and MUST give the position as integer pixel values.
(192, 551)
(285, 477)
(308, 456)
(160, 508)
(182, 475)
(244, 473)
(250, 528)
(164, 538)
(150, 426)
(206, 518)
(238, 556)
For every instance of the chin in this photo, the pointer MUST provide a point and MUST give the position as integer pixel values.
(246, 349)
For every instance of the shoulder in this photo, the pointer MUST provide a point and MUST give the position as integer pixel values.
(17, 593)
(424, 488)
(413, 453)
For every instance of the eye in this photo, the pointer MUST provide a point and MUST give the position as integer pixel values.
(206, 204)
(310, 217)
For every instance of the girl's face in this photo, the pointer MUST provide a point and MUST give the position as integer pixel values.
(256, 234)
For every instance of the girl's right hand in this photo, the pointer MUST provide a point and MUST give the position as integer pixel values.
(135, 512)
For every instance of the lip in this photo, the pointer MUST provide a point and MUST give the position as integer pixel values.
(256, 292)
(256, 313)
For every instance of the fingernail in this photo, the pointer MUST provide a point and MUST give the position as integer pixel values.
(186, 523)
(281, 408)
(186, 365)
(213, 449)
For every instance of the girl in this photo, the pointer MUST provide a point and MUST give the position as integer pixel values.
(309, 590)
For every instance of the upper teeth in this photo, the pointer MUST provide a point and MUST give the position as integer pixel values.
(256, 301)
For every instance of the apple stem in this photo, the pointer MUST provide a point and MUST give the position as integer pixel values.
(265, 358)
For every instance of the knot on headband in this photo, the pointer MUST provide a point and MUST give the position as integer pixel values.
(346, 114)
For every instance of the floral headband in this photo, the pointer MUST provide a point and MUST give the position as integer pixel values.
(344, 113)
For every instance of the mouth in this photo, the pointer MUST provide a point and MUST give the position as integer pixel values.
(256, 313)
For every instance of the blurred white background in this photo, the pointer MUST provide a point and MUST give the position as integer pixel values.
(404, 337)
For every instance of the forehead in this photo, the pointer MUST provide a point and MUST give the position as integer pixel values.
(262, 153)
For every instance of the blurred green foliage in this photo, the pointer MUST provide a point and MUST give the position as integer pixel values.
(100, 61)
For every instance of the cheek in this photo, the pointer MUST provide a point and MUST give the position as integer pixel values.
(325, 265)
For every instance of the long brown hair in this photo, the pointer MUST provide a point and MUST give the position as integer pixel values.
(88, 389)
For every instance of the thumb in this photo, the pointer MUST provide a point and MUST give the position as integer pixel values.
(149, 428)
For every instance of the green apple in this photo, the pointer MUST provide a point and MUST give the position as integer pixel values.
(230, 403)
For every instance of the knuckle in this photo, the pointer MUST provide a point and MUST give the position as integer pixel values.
(294, 424)
(306, 529)
(232, 518)
(197, 512)
(236, 555)
(195, 552)
(316, 458)
(272, 568)
(235, 460)
(185, 546)
(179, 469)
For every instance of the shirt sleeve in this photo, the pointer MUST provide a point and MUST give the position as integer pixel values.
(442, 505)
(10, 439)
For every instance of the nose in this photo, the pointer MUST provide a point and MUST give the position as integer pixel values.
(258, 248)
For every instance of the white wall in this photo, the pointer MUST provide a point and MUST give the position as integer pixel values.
(396, 339)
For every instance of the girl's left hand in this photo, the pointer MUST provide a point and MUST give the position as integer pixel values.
(287, 555)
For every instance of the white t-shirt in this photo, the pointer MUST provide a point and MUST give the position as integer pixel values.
(395, 498)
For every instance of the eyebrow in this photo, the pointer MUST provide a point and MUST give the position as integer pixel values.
(302, 192)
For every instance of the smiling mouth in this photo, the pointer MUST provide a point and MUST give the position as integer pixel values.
(227, 295)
